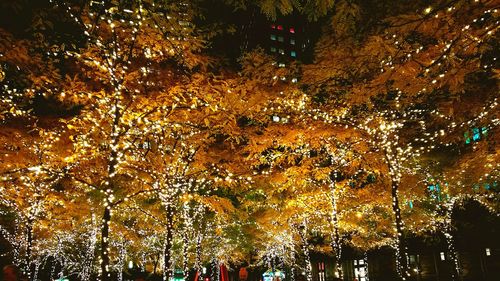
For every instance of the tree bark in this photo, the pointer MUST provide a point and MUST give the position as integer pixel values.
(401, 254)
(305, 249)
(455, 273)
(448, 234)
(167, 255)
(198, 256)
(336, 246)
(112, 162)
(105, 274)
(185, 268)
(155, 264)
(29, 245)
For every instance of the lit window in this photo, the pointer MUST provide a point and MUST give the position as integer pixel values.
(292, 30)
(273, 49)
(321, 273)
(410, 204)
(484, 131)
(475, 134)
(280, 27)
(273, 37)
(467, 138)
(435, 191)
(488, 252)
(443, 256)
(293, 54)
(292, 41)
(361, 270)
(281, 39)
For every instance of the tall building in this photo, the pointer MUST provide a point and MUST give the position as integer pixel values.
(292, 38)
(289, 37)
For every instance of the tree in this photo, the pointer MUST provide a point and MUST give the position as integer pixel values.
(31, 187)
(150, 132)
(394, 79)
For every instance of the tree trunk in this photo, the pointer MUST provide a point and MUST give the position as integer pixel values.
(455, 273)
(167, 266)
(105, 274)
(29, 245)
(185, 268)
(112, 162)
(87, 267)
(198, 256)
(305, 249)
(155, 264)
(336, 246)
(121, 260)
(448, 234)
(401, 254)
(217, 270)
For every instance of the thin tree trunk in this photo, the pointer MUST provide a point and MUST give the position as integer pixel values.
(337, 247)
(185, 268)
(155, 264)
(29, 241)
(87, 266)
(305, 248)
(455, 273)
(112, 162)
(167, 266)
(448, 234)
(198, 256)
(105, 274)
(121, 261)
(401, 254)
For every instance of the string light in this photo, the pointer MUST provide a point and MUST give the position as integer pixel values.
(119, 136)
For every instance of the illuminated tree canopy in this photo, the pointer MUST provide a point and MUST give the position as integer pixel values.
(127, 136)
